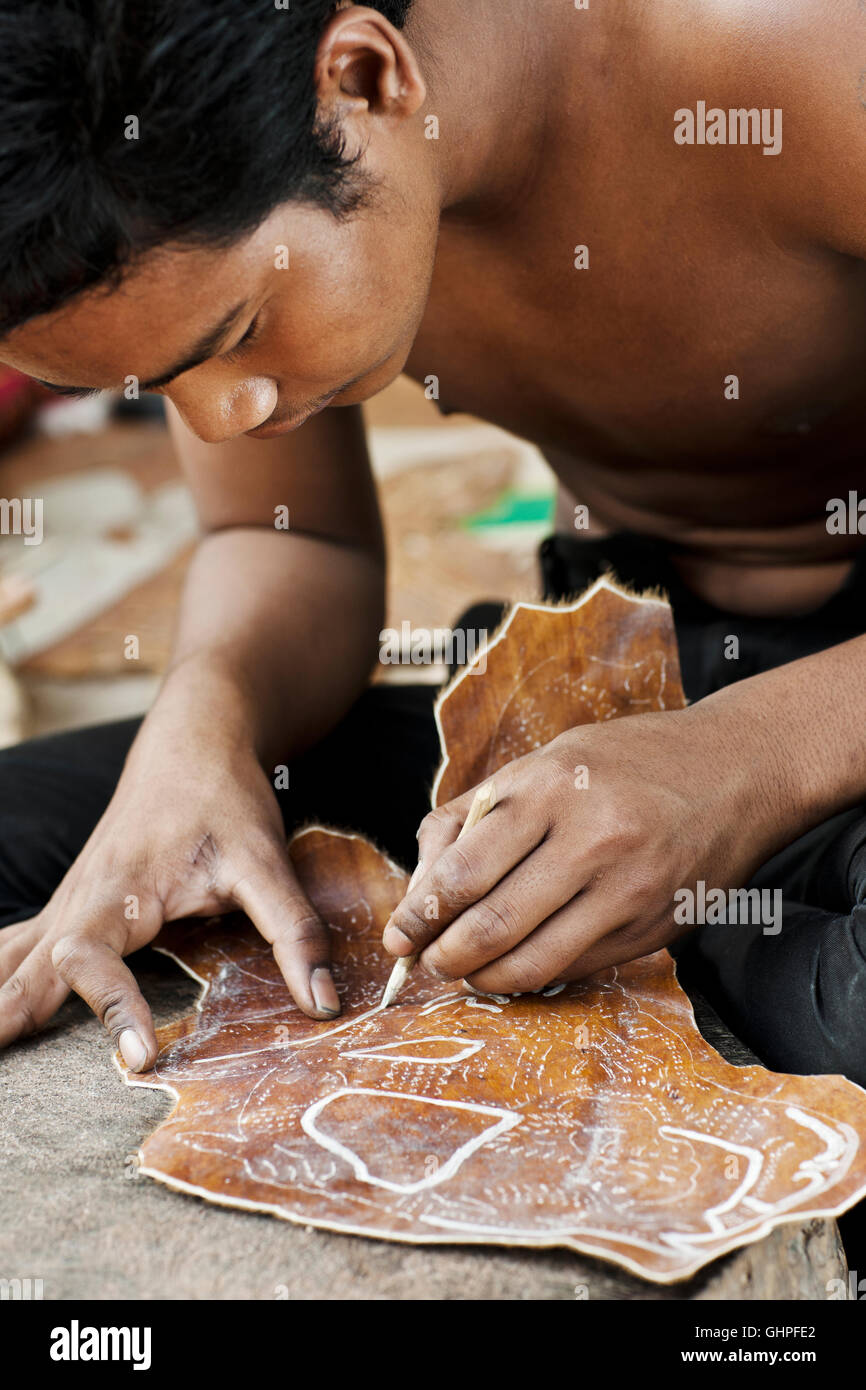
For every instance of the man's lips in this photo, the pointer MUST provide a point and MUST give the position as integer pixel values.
(271, 428)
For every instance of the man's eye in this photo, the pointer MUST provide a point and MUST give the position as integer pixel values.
(247, 338)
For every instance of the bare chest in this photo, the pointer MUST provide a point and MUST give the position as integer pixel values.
(679, 360)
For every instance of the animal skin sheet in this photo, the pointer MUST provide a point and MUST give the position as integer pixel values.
(592, 1115)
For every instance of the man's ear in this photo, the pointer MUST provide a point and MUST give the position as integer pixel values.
(365, 67)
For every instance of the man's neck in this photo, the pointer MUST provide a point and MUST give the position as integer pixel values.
(493, 73)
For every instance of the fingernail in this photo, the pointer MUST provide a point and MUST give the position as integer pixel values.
(416, 875)
(435, 971)
(132, 1049)
(325, 991)
(394, 940)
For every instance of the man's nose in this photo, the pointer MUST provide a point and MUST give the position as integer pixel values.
(216, 409)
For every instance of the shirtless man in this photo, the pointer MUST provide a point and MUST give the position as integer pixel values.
(694, 376)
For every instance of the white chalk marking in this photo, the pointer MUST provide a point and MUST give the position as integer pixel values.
(440, 1004)
(506, 1121)
(468, 1048)
(754, 1162)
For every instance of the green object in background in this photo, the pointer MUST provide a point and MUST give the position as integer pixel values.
(514, 508)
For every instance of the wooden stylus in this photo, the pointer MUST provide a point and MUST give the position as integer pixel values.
(483, 801)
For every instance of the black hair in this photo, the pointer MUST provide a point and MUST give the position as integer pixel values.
(224, 99)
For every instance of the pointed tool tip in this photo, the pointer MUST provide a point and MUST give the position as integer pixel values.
(397, 979)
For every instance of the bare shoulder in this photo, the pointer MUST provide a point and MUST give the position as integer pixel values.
(801, 65)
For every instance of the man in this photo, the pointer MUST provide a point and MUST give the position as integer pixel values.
(635, 235)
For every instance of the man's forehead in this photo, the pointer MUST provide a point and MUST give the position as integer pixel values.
(169, 307)
(166, 301)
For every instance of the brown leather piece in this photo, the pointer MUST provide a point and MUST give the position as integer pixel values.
(549, 669)
(594, 1117)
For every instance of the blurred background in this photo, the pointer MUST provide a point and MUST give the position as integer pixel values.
(87, 614)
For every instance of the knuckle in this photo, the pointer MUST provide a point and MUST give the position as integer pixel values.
(17, 991)
(454, 877)
(266, 848)
(66, 955)
(435, 963)
(306, 928)
(526, 972)
(113, 1011)
(531, 976)
(642, 891)
(256, 856)
(491, 924)
(616, 830)
(437, 821)
(413, 925)
(556, 779)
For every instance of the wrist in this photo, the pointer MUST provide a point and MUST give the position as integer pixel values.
(761, 785)
(202, 703)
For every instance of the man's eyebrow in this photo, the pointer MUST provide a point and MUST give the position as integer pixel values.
(205, 347)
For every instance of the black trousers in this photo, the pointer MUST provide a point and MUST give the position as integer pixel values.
(798, 999)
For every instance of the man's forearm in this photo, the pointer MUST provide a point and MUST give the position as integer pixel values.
(798, 736)
(285, 626)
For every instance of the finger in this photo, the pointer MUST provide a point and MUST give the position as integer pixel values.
(627, 943)
(441, 827)
(31, 994)
(16, 943)
(97, 972)
(526, 897)
(546, 953)
(464, 872)
(273, 899)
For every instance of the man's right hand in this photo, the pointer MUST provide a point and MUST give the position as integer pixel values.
(276, 636)
(192, 830)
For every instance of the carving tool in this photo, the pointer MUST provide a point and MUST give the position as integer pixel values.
(483, 801)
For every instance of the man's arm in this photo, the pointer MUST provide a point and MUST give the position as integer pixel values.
(276, 637)
(289, 617)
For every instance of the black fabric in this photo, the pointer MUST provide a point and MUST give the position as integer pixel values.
(568, 566)
(373, 773)
(477, 625)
